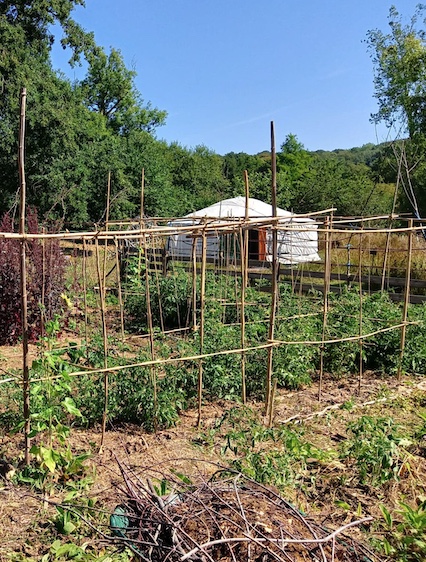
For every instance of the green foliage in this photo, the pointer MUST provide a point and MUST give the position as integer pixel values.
(51, 404)
(62, 551)
(400, 88)
(274, 456)
(375, 445)
(170, 296)
(405, 537)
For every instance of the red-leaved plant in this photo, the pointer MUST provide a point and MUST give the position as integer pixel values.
(45, 266)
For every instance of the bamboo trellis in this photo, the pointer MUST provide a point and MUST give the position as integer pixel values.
(147, 236)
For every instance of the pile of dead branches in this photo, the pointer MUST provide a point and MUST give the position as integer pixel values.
(229, 517)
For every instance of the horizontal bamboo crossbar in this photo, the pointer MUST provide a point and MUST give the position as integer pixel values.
(201, 356)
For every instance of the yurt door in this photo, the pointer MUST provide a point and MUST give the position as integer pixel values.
(257, 244)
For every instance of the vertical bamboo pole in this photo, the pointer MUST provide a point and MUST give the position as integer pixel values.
(106, 226)
(202, 308)
(227, 269)
(151, 335)
(43, 285)
(246, 232)
(243, 315)
(105, 342)
(141, 221)
(225, 303)
(23, 272)
(157, 282)
(327, 258)
(194, 282)
(142, 197)
(274, 297)
(120, 295)
(86, 335)
(244, 284)
(388, 236)
(406, 296)
(361, 343)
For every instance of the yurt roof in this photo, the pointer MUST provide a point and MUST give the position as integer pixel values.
(236, 207)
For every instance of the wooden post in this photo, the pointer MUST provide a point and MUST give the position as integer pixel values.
(327, 256)
(274, 297)
(194, 282)
(105, 343)
(43, 285)
(23, 272)
(106, 226)
(243, 314)
(141, 221)
(244, 283)
(361, 343)
(406, 296)
(246, 232)
(202, 307)
(151, 334)
(120, 295)
(86, 336)
(395, 198)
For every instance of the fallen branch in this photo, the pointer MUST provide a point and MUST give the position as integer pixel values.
(283, 542)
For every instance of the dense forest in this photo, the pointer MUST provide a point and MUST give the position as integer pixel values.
(77, 132)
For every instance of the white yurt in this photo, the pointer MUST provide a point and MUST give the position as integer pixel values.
(297, 236)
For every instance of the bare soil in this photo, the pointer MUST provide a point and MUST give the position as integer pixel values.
(25, 519)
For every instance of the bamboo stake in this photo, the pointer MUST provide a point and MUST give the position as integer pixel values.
(244, 237)
(236, 275)
(106, 225)
(157, 283)
(274, 299)
(141, 221)
(243, 316)
(23, 272)
(361, 342)
(43, 285)
(105, 344)
(387, 247)
(202, 308)
(406, 297)
(194, 283)
(151, 336)
(86, 335)
(246, 232)
(227, 267)
(327, 260)
(120, 296)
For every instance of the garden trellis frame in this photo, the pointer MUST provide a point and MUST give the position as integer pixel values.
(237, 267)
(147, 237)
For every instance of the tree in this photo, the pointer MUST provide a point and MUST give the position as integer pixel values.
(399, 59)
(76, 132)
(109, 90)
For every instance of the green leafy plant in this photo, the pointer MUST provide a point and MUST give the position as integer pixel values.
(405, 538)
(376, 447)
(53, 412)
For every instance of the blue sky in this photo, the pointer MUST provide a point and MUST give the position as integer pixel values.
(224, 69)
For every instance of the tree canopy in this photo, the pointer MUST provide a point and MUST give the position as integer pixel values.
(399, 59)
(78, 132)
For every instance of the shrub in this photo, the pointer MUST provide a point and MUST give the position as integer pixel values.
(45, 282)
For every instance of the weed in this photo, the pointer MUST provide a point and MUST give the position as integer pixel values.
(406, 539)
(374, 445)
